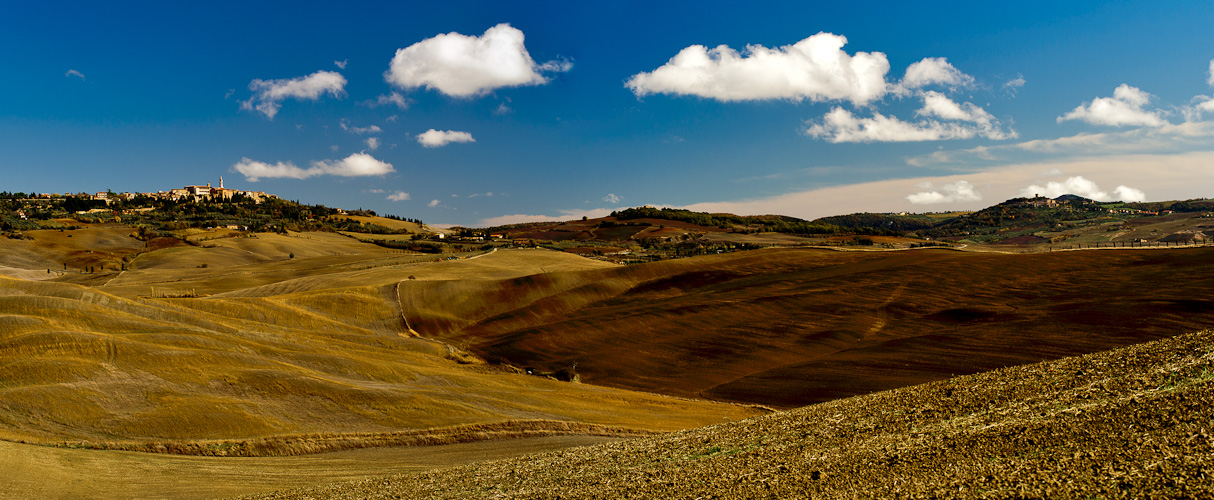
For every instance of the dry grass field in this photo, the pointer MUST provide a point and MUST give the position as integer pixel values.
(83, 365)
(394, 224)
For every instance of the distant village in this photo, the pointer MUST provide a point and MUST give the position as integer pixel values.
(206, 192)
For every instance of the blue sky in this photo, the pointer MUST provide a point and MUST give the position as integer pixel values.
(479, 113)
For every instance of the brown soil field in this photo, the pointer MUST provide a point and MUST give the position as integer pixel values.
(789, 327)
(1130, 423)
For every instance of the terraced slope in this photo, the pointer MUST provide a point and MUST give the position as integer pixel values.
(789, 327)
(1129, 423)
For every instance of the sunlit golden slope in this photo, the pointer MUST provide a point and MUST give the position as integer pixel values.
(78, 363)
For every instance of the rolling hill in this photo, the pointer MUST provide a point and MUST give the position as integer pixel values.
(789, 327)
(137, 373)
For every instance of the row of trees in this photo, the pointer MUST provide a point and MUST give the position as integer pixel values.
(753, 224)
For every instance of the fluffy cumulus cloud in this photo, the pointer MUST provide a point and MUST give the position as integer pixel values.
(934, 71)
(467, 66)
(434, 203)
(398, 196)
(439, 138)
(1124, 108)
(355, 165)
(612, 199)
(373, 143)
(819, 70)
(983, 123)
(1080, 186)
(956, 192)
(840, 125)
(816, 68)
(268, 94)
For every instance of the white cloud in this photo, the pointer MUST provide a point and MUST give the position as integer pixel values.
(934, 71)
(341, 64)
(72, 72)
(960, 191)
(372, 143)
(433, 203)
(1124, 108)
(558, 66)
(355, 165)
(373, 129)
(398, 196)
(611, 198)
(467, 66)
(1185, 136)
(1202, 104)
(1125, 193)
(985, 125)
(815, 68)
(439, 138)
(1210, 80)
(390, 99)
(1080, 186)
(566, 215)
(1012, 86)
(268, 94)
(840, 125)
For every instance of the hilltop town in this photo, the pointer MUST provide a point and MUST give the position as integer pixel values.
(197, 192)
